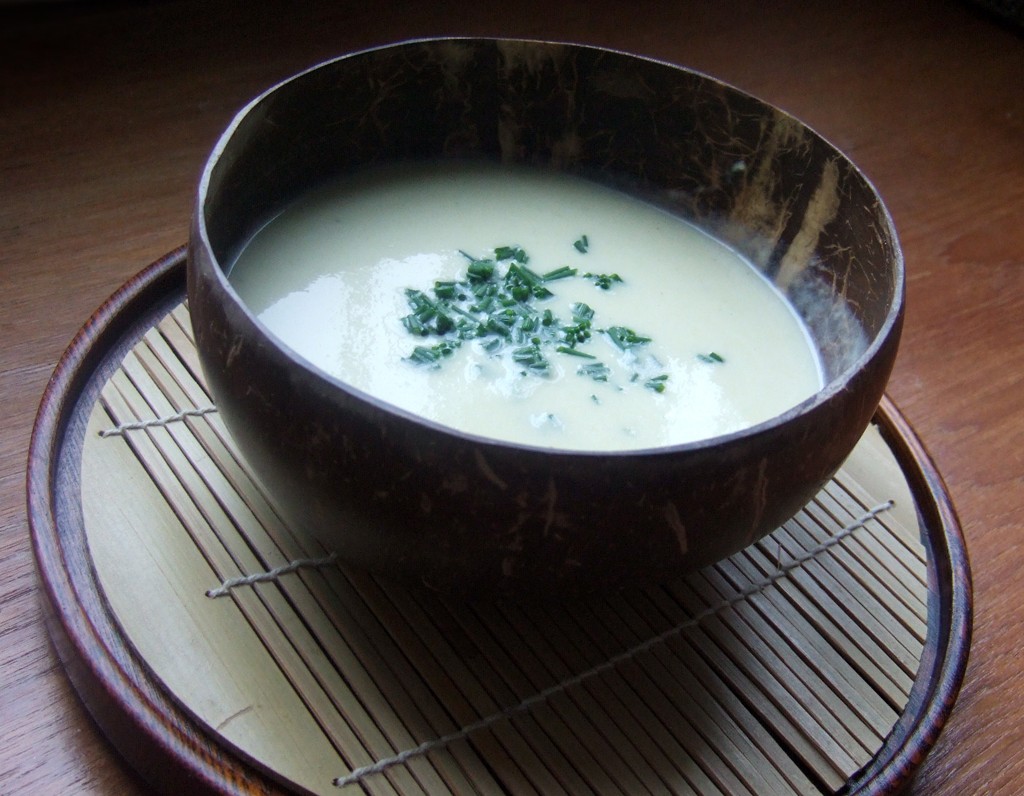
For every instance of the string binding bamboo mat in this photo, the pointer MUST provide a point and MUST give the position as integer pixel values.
(781, 670)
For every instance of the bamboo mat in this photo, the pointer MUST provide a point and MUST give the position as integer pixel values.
(778, 671)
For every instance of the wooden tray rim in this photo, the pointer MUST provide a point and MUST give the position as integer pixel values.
(175, 753)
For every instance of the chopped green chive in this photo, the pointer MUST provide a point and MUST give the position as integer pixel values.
(576, 334)
(531, 357)
(581, 312)
(559, 273)
(657, 383)
(603, 281)
(423, 355)
(564, 349)
(625, 338)
(523, 284)
(712, 358)
(598, 371)
(510, 253)
(495, 304)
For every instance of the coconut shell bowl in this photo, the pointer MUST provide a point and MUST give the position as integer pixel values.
(410, 499)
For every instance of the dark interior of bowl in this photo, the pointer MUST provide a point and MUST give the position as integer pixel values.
(749, 173)
(375, 485)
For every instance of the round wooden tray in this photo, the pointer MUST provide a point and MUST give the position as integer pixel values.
(177, 749)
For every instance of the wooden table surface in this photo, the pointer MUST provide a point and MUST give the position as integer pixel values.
(107, 112)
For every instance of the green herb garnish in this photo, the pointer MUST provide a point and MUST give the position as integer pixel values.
(559, 273)
(625, 338)
(657, 383)
(582, 312)
(603, 281)
(510, 253)
(712, 358)
(523, 283)
(564, 349)
(531, 357)
(480, 270)
(582, 245)
(422, 355)
(598, 371)
(497, 304)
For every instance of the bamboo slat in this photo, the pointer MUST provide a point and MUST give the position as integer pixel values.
(781, 670)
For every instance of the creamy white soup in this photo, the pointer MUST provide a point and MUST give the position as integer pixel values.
(527, 306)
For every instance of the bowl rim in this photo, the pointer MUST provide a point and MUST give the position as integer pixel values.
(891, 325)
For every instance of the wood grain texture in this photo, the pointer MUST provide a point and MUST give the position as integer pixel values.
(148, 466)
(107, 112)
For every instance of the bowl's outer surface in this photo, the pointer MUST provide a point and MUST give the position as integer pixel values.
(404, 497)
